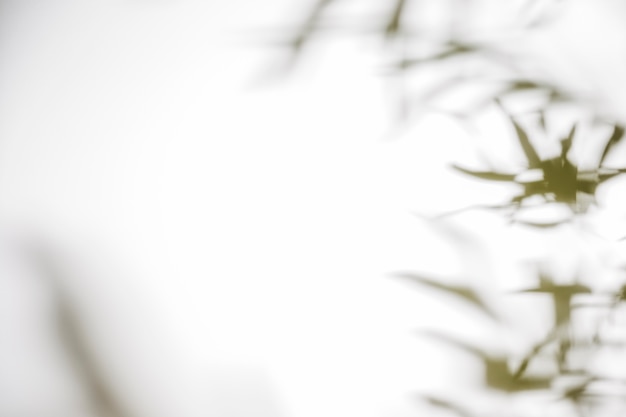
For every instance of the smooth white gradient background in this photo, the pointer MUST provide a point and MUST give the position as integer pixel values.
(231, 235)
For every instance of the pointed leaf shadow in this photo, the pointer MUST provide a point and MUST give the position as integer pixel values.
(462, 293)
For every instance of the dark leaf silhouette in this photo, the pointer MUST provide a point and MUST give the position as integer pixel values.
(561, 177)
(446, 405)
(486, 175)
(524, 85)
(561, 181)
(608, 173)
(566, 143)
(527, 147)
(463, 293)
(393, 25)
(561, 295)
(534, 352)
(531, 154)
(546, 225)
(497, 375)
(579, 393)
(449, 50)
(553, 93)
(309, 26)
(542, 120)
(616, 137)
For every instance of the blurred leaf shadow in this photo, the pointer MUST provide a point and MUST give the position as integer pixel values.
(102, 398)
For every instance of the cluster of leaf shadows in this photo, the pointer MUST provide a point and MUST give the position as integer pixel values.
(508, 374)
(555, 180)
(394, 27)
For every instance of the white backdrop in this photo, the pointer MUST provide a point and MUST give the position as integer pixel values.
(229, 239)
